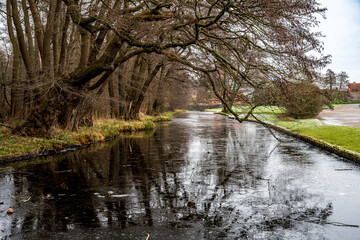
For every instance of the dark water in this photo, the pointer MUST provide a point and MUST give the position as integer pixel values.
(202, 176)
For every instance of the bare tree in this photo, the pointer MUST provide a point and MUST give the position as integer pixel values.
(330, 81)
(247, 42)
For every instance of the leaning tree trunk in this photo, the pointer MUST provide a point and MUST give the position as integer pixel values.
(63, 103)
(135, 109)
(42, 120)
(63, 109)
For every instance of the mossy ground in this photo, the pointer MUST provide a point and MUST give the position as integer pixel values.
(12, 146)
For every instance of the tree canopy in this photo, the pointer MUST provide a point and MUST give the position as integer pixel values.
(72, 49)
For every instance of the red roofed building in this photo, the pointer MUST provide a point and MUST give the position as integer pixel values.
(354, 89)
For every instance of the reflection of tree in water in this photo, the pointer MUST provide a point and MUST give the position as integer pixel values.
(59, 199)
(232, 205)
(214, 178)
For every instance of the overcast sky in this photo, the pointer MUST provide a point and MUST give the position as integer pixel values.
(342, 41)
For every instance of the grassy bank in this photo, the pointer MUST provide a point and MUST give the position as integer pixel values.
(342, 137)
(345, 137)
(13, 146)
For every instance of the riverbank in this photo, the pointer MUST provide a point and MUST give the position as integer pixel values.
(22, 147)
(341, 140)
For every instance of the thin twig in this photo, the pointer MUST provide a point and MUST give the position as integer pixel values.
(339, 224)
(267, 126)
(22, 200)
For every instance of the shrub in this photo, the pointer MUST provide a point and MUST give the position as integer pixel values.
(301, 100)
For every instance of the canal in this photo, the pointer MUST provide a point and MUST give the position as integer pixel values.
(201, 176)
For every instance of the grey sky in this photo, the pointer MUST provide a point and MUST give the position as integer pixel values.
(342, 41)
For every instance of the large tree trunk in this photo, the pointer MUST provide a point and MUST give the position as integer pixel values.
(62, 109)
(64, 45)
(30, 40)
(63, 104)
(28, 61)
(121, 90)
(56, 38)
(42, 120)
(15, 105)
(48, 35)
(113, 106)
(135, 109)
(38, 27)
(137, 69)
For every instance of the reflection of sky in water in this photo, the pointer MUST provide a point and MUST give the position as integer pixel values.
(201, 177)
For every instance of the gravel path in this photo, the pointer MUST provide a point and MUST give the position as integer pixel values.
(347, 115)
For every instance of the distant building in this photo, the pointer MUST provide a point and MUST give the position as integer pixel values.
(354, 89)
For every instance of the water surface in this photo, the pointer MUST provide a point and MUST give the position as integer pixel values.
(202, 176)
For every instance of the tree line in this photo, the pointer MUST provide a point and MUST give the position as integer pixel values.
(337, 85)
(75, 59)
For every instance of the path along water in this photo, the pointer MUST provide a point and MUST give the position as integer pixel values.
(347, 115)
(202, 176)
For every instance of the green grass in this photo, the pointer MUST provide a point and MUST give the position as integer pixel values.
(346, 137)
(12, 145)
(338, 101)
(162, 117)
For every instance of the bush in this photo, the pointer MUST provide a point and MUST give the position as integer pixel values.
(301, 100)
